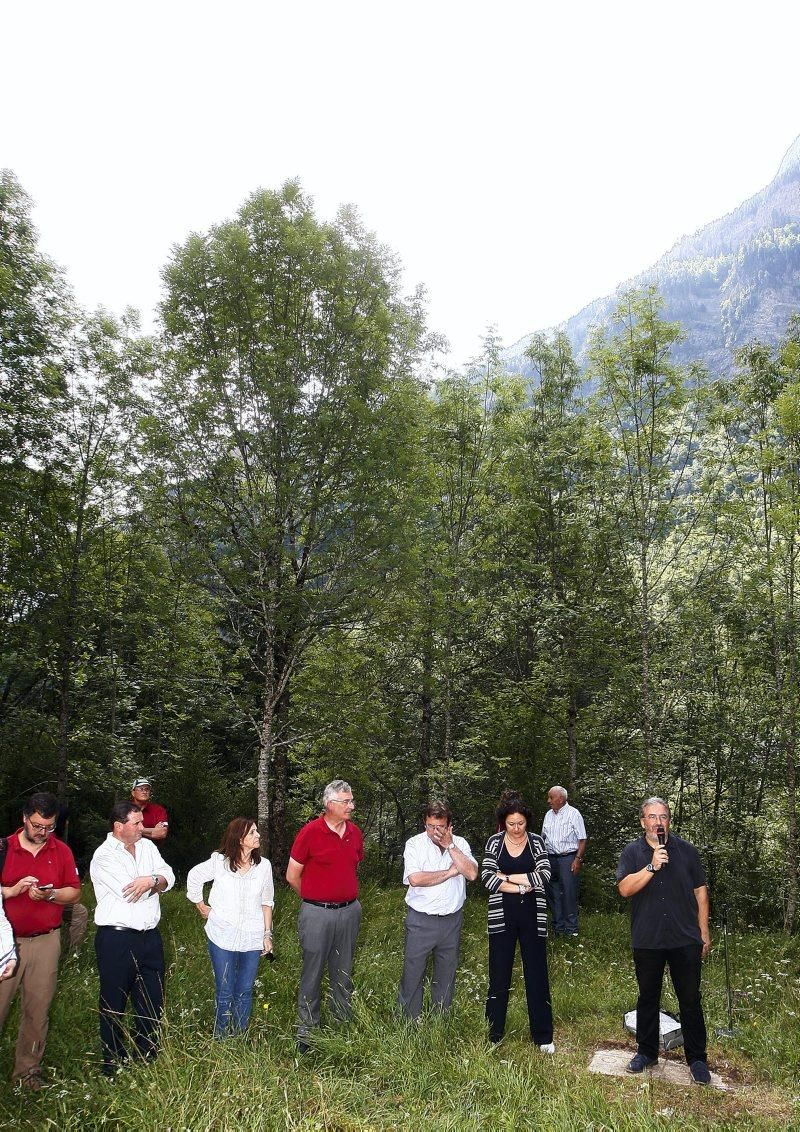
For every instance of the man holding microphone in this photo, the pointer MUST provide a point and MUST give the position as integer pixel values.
(664, 879)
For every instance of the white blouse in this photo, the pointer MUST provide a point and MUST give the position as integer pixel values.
(236, 920)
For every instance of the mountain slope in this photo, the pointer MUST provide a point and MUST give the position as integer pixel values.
(736, 279)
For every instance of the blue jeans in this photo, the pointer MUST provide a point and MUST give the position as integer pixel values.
(234, 975)
(562, 894)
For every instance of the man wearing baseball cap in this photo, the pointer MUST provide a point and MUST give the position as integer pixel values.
(156, 820)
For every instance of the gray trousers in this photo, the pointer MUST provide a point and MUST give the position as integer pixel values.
(328, 939)
(426, 935)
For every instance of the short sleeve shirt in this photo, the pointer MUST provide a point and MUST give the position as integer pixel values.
(53, 864)
(422, 856)
(664, 912)
(153, 814)
(329, 861)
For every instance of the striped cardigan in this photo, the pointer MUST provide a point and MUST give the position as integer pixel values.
(540, 874)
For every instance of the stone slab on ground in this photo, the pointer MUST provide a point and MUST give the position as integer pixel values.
(612, 1063)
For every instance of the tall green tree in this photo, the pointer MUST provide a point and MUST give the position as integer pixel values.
(285, 433)
(559, 579)
(761, 419)
(652, 410)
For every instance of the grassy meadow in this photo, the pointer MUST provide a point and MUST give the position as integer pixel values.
(381, 1073)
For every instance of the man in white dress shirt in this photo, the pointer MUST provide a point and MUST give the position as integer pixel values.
(565, 841)
(436, 868)
(128, 874)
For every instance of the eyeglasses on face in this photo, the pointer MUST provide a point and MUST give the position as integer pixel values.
(41, 828)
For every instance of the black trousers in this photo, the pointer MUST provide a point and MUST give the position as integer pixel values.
(131, 966)
(519, 914)
(685, 965)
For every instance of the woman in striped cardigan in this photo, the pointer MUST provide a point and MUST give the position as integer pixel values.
(515, 868)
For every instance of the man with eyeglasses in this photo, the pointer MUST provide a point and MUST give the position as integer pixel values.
(156, 819)
(129, 874)
(664, 879)
(39, 878)
(436, 868)
(323, 871)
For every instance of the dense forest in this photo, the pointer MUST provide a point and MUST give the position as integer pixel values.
(274, 543)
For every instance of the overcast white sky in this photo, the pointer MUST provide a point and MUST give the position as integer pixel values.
(521, 157)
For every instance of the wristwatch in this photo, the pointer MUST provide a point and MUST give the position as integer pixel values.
(649, 867)
(155, 880)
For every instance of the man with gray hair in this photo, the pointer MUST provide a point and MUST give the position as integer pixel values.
(565, 840)
(663, 877)
(323, 871)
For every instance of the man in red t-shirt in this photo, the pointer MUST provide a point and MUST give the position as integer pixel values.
(156, 820)
(323, 872)
(38, 879)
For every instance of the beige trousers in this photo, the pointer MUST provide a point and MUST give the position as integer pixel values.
(35, 977)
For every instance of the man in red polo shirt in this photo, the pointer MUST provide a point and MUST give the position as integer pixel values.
(39, 877)
(156, 820)
(323, 872)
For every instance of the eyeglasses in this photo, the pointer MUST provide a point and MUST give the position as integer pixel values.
(343, 801)
(431, 827)
(41, 828)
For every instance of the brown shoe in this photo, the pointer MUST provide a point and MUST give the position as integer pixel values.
(33, 1081)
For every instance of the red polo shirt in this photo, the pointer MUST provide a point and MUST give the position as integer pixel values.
(53, 864)
(329, 861)
(152, 814)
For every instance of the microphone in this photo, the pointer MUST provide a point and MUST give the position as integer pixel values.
(662, 838)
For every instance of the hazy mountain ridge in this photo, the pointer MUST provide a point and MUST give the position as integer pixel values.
(735, 279)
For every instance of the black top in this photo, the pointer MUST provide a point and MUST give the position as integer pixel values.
(664, 912)
(525, 863)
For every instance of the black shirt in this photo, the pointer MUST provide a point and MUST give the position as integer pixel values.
(664, 912)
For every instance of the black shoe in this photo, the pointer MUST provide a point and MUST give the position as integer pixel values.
(700, 1073)
(303, 1047)
(639, 1062)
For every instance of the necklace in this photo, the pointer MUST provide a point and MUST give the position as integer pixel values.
(515, 842)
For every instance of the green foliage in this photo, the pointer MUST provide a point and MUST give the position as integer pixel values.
(257, 552)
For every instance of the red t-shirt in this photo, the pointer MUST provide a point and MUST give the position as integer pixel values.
(329, 861)
(53, 864)
(153, 814)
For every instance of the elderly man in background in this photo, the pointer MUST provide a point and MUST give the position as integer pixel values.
(38, 880)
(436, 868)
(129, 874)
(156, 819)
(323, 871)
(565, 841)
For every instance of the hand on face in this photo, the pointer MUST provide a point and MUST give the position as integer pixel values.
(440, 832)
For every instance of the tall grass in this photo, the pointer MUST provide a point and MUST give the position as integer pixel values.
(379, 1072)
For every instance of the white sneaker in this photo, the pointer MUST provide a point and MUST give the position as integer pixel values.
(549, 1047)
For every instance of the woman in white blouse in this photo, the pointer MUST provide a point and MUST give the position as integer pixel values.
(238, 919)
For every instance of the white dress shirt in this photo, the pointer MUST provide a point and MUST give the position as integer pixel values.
(236, 920)
(112, 867)
(422, 856)
(563, 830)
